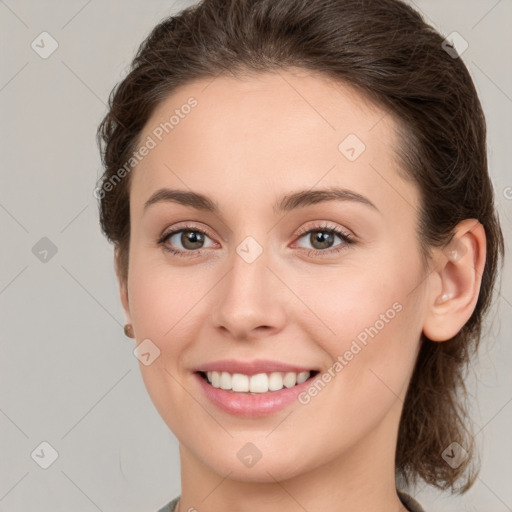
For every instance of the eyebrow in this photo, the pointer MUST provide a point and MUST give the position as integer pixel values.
(287, 203)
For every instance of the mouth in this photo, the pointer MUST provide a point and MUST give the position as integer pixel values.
(259, 383)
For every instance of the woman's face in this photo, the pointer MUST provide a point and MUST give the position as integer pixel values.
(269, 287)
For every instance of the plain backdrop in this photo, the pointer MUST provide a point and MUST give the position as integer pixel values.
(68, 376)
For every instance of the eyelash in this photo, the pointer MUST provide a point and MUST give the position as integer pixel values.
(345, 237)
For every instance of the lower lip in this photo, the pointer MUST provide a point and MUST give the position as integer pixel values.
(252, 405)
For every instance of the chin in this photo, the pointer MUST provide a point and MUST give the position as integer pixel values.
(266, 470)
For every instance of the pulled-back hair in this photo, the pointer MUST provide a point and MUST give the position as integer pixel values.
(388, 53)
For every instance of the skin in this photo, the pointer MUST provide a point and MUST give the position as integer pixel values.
(245, 145)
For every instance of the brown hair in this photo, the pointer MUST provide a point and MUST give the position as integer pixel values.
(387, 51)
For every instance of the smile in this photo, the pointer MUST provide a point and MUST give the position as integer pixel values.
(258, 383)
(255, 393)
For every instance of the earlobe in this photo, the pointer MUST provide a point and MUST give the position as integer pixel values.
(455, 284)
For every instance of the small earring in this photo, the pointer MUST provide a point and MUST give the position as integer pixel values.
(445, 297)
(128, 330)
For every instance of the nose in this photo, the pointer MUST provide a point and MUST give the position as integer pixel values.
(250, 300)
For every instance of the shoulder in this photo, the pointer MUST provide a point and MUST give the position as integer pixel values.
(170, 506)
(409, 502)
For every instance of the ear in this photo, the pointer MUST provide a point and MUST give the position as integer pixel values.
(455, 282)
(123, 285)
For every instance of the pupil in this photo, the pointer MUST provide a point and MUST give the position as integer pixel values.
(323, 237)
(192, 237)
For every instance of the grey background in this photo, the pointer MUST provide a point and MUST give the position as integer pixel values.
(67, 373)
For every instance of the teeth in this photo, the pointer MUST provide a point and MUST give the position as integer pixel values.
(225, 380)
(259, 383)
(275, 381)
(290, 379)
(239, 382)
(302, 377)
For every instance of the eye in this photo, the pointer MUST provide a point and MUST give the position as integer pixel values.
(190, 238)
(322, 239)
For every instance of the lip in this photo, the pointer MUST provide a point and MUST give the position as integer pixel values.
(252, 367)
(252, 405)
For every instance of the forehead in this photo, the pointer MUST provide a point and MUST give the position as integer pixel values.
(267, 132)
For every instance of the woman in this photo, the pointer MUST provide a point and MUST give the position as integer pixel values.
(306, 246)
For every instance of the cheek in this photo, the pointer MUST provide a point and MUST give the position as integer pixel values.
(343, 301)
(164, 305)
(369, 321)
(162, 299)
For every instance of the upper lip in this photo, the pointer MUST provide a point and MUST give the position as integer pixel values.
(251, 367)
